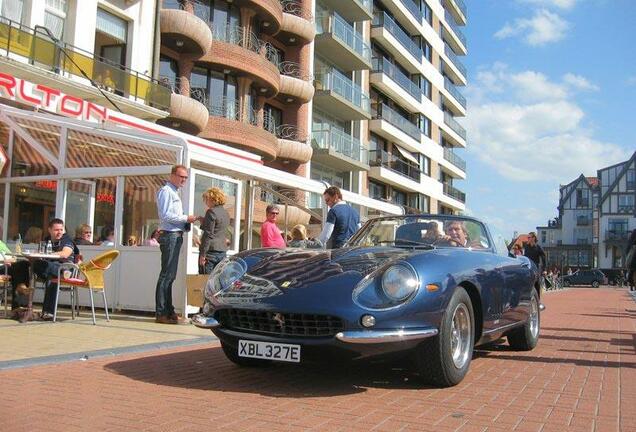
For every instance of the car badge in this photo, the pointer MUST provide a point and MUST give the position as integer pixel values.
(237, 284)
(278, 317)
(285, 284)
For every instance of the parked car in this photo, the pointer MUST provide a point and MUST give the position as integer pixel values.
(615, 276)
(427, 286)
(593, 277)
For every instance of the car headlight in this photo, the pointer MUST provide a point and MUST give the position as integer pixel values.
(399, 282)
(224, 275)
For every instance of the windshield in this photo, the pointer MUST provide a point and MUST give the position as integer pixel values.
(422, 231)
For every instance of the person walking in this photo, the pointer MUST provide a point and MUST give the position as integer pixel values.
(270, 234)
(630, 261)
(534, 252)
(173, 223)
(213, 247)
(342, 220)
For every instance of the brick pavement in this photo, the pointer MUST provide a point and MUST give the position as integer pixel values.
(581, 377)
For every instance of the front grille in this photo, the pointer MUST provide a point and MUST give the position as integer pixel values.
(279, 324)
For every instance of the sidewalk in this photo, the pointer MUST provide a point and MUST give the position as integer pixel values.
(39, 342)
(581, 377)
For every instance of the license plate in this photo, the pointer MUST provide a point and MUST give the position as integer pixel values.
(269, 351)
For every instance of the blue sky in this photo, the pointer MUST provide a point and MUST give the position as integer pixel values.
(551, 95)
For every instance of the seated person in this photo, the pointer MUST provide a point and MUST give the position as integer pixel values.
(456, 235)
(33, 235)
(108, 236)
(48, 269)
(19, 272)
(83, 235)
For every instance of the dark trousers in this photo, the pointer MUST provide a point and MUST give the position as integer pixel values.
(212, 258)
(19, 272)
(47, 270)
(170, 245)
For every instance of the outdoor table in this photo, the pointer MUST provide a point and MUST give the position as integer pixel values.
(32, 256)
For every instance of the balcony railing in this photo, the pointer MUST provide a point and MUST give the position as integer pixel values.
(386, 67)
(616, 235)
(237, 35)
(455, 59)
(67, 60)
(198, 8)
(294, 7)
(397, 120)
(462, 7)
(291, 132)
(293, 69)
(334, 80)
(454, 125)
(414, 10)
(341, 142)
(452, 89)
(450, 156)
(453, 192)
(343, 31)
(453, 25)
(392, 162)
(174, 84)
(385, 20)
(231, 110)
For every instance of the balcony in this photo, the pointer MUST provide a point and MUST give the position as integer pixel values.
(458, 70)
(295, 82)
(244, 129)
(457, 8)
(184, 27)
(384, 159)
(297, 21)
(454, 91)
(293, 144)
(395, 119)
(450, 121)
(397, 41)
(339, 150)
(337, 40)
(382, 66)
(338, 95)
(455, 37)
(453, 192)
(45, 61)
(188, 112)
(235, 48)
(414, 10)
(351, 10)
(450, 156)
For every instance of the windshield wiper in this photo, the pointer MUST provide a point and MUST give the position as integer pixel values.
(407, 243)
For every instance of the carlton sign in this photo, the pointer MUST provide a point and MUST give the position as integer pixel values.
(50, 99)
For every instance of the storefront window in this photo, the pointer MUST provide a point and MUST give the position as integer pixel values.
(27, 161)
(140, 217)
(31, 205)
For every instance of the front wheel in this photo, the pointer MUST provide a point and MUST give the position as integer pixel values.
(526, 338)
(594, 284)
(232, 355)
(444, 360)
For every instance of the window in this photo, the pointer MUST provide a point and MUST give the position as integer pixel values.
(625, 203)
(428, 50)
(631, 179)
(272, 117)
(425, 165)
(12, 9)
(399, 197)
(140, 208)
(425, 125)
(168, 72)
(54, 17)
(220, 90)
(425, 85)
(582, 198)
(224, 14)
(377, 190)
(419, 202)
(428, 13)
(543, 236)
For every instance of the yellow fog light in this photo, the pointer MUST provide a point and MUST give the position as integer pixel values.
(367, 320)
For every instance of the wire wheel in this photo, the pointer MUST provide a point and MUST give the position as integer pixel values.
(461, 336)
(534, 317)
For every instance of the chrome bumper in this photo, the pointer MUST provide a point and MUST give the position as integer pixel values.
(204, 322)
(384, 336)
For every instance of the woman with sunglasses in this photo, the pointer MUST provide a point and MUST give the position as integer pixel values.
(270, 234)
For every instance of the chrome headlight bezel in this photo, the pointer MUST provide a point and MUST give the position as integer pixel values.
(225, 273)
(399, 282)
(370, 293)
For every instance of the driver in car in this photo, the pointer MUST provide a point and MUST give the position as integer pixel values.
(456, 235)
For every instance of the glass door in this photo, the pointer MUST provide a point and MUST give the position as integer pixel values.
(80, 205)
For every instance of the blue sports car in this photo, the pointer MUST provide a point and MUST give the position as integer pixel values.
(428, 286)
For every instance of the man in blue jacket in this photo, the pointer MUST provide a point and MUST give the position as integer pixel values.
(342, 220)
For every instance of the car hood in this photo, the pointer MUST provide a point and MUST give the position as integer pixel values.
(295, 272)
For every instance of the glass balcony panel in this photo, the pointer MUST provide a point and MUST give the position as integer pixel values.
(453, 192)
(450, 156)
(385, 20)
(455, 59)
(344, 32)
(392, 162)
(63, 58)
(397, 120)
(453, 25)
(454, 125)
(383, 65)
(344, 87)
(414, 10)
(452, 89)
(341, 142)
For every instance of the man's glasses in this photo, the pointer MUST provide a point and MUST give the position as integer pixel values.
(274, 213)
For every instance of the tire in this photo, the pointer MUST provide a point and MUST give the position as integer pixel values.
(445, 359)
(595, 284)
(232, 355)
(525, 338)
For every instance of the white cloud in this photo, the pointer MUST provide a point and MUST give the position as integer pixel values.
(527, 138)
(579, 82)
(560, 4)
(544, 27)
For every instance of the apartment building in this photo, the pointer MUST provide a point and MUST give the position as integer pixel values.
(384, 113)
(596, 215)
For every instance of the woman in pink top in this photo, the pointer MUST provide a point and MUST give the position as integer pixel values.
(270, 234)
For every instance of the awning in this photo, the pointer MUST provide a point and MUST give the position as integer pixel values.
(407, 154)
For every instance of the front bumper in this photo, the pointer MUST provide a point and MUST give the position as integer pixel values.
(385, 336)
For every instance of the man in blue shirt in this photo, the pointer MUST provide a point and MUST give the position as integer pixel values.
(173, 222)
(342, 220)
